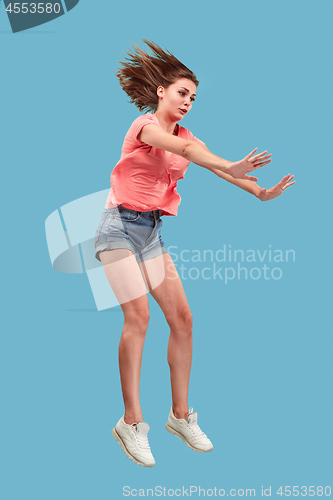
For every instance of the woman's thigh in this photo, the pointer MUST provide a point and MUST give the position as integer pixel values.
(168, 292)
(126, 279)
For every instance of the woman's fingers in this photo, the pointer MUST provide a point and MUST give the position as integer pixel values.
(287, 178)
(261, 164)
(260, 156)
(285, 182)
(264, 162)
(284, 179)
(289, 184)
(250, 154)
(257, 156)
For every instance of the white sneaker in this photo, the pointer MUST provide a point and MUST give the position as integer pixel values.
(134, 441)
(189, 431)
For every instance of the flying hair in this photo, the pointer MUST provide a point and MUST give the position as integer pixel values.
(141, 74)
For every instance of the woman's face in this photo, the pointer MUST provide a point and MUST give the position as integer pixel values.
(177, 99)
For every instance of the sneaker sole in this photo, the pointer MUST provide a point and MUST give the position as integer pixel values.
(175, 433)
(122, 444)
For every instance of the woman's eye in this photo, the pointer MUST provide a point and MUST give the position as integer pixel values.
(182, 93)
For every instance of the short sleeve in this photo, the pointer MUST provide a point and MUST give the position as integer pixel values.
(138, 125)
(198, 140)
(192, 137)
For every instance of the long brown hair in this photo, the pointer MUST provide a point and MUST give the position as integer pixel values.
(142, 74)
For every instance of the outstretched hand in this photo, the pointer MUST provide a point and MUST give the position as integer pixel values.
(239, 169)
(269, 194)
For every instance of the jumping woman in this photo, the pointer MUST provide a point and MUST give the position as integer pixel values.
(155, 155)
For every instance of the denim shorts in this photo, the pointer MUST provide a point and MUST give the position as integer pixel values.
(139, 232)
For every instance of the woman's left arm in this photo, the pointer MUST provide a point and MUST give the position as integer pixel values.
(253, 188)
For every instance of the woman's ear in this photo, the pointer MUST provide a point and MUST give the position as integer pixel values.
(160, 91)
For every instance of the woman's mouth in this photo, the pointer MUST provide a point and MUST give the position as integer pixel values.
(183, 111)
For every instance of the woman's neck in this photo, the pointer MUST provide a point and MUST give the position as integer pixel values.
(166, 124)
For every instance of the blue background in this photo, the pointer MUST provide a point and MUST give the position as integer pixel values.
(262, 366)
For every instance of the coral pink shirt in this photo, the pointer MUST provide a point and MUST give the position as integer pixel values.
(145, 178)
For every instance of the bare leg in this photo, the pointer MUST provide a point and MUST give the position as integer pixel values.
(171, 298)
(125, 278)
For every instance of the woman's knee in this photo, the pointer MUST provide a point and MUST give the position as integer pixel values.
(137, 319)
(181, 321)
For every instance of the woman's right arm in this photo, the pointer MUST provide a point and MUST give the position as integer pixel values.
(194, 152)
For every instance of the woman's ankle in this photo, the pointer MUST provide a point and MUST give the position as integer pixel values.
(132, 417)
(180, 412)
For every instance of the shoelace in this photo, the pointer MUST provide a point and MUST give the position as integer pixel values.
(196, 430)
(142, 440)
(194, 427)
